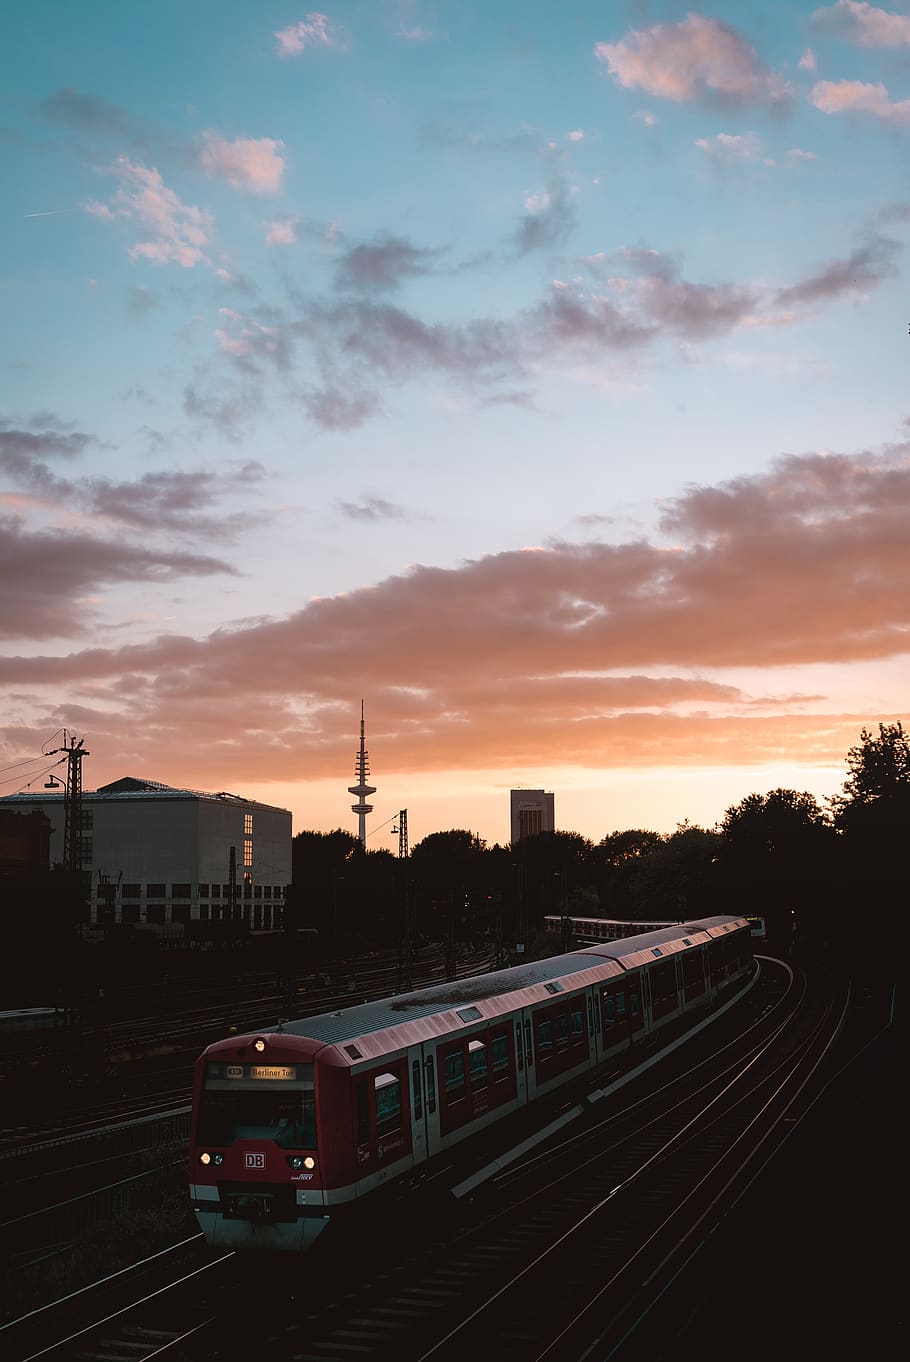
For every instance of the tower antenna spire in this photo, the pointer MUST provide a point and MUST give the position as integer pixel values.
(362, 789)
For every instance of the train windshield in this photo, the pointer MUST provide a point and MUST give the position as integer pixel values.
(245, 1108)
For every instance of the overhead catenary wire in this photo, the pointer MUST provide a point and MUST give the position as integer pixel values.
(32, 776)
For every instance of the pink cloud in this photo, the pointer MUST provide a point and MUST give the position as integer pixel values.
(864, 24)
(180, 231)
(807, 60)
(696, 59)
(253, 164)
(316, 30)
(597, 654)
(725, 146)
(858, 96)
(282, 232)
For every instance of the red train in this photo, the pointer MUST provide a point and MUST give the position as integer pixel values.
(293, 1125)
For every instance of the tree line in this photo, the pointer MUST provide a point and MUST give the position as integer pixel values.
(781, 855)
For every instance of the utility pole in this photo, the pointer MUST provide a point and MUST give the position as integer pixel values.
(72, 800)
(406, 950)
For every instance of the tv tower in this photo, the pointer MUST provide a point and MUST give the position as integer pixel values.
(362, 789)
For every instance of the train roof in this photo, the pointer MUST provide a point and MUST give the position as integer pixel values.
(411, 1017)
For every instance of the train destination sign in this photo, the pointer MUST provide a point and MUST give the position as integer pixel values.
(271, 1071)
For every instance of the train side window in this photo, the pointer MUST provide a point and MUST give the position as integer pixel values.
(562, 1029)
(477, 1060)
(519, 1048)
(578, 1025)
(621, 1005)
(418, 1095)
(609, 1010)
(454, 1077)
(635, 1001)
(500, 1054)
(431, 1085)
(388, 1104)
(529, 1049)
(545, 1039)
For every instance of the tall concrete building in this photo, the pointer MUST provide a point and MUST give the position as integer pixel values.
(532, 811)
(161, 857)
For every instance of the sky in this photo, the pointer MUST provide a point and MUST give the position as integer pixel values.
(535, 374)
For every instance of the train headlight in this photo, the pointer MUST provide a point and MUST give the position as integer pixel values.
(205, 1158)
(259, 1045)
(309, 1161)
(217, 1160)
(295, 1161)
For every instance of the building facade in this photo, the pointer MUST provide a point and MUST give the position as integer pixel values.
(532, 811)
(159, 856)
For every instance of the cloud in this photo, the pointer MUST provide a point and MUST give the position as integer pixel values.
(164, 500)
(577, 135)
(47, 439)
(726, 148)
(316, 30)
(807, 60)
(339, 356)
(797, 154)
(47, 574)
(697, 59)
(179, 231)
(88, 113)
(373, 510)
(283, 232)
(864, 24)
(596, 654)
(858, 96)
(248, 163)
(549, 219)
(859, 273)
(383, 264)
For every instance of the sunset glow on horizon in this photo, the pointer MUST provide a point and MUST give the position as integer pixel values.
(535, 374)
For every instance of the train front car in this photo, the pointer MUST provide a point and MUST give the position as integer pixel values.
(258, 1175)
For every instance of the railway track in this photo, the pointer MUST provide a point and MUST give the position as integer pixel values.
(182, 1037)
(569, 1254)
(533, 1265)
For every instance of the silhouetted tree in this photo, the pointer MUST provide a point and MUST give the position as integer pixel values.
(676, 878)
(777, 855)
(873, 814)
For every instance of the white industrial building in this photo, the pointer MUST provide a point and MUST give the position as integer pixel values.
(532, 811)
(159, 856)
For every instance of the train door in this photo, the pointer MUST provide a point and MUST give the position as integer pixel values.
(521, 1059)
(429, 1084)
(419, 1114)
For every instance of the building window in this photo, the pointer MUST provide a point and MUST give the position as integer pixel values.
(247, 825)
(130, 913)
(180, 913)
(248, 853)
(88, 819)
(257, 892)
(154, 912)
(180, 891)
(267, 891)
(203, 891)
(131, 891)
(155, 891)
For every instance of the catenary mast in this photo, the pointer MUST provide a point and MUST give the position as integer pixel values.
(362, 789)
